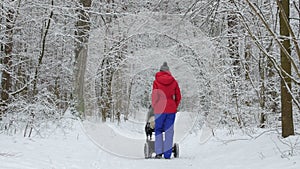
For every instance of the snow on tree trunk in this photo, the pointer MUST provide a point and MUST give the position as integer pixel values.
(233, 51)
(82, 36)
(7, 61)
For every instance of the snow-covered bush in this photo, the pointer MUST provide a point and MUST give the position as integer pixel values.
(32, 116)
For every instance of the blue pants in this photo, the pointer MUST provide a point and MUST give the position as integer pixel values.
(164, 123)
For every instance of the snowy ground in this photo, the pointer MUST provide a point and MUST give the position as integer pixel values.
(74, 149)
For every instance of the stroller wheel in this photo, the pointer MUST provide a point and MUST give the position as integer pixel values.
(176, 150)
(146, 150)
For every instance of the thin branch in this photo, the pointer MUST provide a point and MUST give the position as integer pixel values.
(42, 50)
(276, 39)
(190, 8)
(273, 61)
(285, 18)
(297, 8)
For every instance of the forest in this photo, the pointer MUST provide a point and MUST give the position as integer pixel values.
(237, 61)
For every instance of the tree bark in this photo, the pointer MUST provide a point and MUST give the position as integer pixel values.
(7, 61)
(233, 41)
(262, 90)
(233, 51)
(82, 36)
(286, 97)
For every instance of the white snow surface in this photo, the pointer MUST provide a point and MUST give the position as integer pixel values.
(81, 147)
(131, 135)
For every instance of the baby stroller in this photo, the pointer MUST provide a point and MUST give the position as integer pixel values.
(149, 148)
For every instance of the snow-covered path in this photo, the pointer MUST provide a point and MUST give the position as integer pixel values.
(108, 137)
(72, 149)
(112, 142)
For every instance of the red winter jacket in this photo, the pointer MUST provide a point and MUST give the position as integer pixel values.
(166, 94)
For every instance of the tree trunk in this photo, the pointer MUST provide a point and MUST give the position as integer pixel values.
(82, 36)
(233, 41)
(107, 64)
(233, 52)
(286, 97)
(262, 90)
(7, 61)
(42, 52)
(106, 88)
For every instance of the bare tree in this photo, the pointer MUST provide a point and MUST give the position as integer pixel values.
(7, 59)
(233, 51)
(286, 82)
(42, 52)
(82, 36)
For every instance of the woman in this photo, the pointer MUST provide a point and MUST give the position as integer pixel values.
(166, 97)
